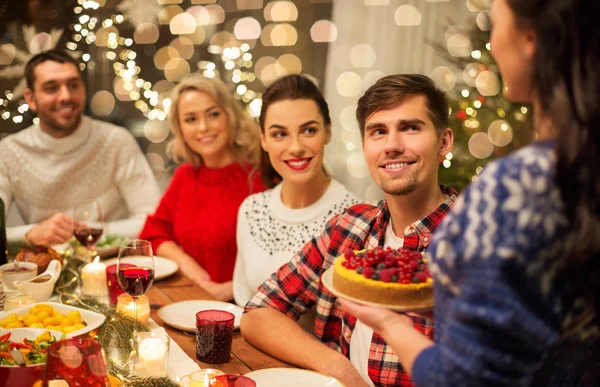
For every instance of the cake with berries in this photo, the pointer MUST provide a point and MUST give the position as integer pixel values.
(385, 276)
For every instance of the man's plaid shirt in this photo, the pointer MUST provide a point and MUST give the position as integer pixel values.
(296, 286)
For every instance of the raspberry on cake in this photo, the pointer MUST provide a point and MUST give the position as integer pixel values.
(385, 276)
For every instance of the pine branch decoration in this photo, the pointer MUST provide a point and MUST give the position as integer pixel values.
(115, 335)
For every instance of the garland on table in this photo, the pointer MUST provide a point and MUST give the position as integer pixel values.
(115, 335)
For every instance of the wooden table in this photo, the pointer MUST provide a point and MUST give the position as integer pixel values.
(244, 357)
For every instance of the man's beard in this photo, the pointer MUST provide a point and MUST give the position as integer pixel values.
(400, 186)
(58, 127)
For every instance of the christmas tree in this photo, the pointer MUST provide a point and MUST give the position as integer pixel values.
(486, 125)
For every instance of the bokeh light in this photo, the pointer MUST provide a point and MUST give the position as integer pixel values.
(459, 45)
(183, 23)
(184, 46)
(363, 55)
(176, 69)
(102, 103)
(216, 12)
(200, 14)
(349, 84)
(198, 36)
(279, 35)
(483, 21)
(247, 28)
(146, 33)
(163, 55)
(407, 15)
(156, 131)
(281, 11)
(444, 77)
(470, 73)
(480, 145)
(168, 13)
(288, 64)
(323, 31)
(500, 133)
(488, 83)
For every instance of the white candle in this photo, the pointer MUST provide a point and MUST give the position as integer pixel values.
(151, 357)
(93, 276)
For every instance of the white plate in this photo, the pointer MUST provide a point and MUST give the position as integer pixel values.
(292, 377)
(327, 280)
(182, 315)
(92, 319)
(163, 267)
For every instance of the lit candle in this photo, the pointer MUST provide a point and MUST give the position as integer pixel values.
(204, 378)
(152, 353)
(93, 276)
(126, 306)
(16, 301)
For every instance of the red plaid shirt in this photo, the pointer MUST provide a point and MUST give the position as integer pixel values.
(296, 286)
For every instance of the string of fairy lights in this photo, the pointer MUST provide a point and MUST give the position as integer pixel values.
(104, 35)
(236, 59)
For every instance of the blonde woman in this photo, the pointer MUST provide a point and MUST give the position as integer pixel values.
(195, 222)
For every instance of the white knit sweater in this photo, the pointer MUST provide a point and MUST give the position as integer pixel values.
(44, 175)
(269, 233)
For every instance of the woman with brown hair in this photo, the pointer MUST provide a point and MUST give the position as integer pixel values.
(273, 225)
(195, 222)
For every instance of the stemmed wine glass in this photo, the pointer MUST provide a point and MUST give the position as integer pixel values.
(88, 225)
(135, 280)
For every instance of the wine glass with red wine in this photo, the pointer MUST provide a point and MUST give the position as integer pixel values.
(88, 225)
(135, 280)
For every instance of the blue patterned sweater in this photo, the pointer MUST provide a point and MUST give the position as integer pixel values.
(500, 310)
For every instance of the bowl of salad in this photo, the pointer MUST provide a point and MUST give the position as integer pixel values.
(33, 345)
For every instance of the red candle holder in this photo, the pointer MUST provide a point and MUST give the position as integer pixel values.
(112, 281)
(214, 329)
(232, 381)
(78, 362)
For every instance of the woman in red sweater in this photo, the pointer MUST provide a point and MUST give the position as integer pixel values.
(195, 222)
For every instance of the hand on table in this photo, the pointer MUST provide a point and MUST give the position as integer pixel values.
(53, 231)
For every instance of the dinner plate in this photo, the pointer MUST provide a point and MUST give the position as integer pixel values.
(163, 267)
(292, 377)
(327, 280)
(92, 319)
(182, 315)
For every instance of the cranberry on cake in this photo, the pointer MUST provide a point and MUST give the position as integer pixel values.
(385, 276)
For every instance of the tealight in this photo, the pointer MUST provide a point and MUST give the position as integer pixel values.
(153, 354)
(126, 306)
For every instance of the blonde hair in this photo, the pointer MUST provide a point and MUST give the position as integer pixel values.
(244, 132)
